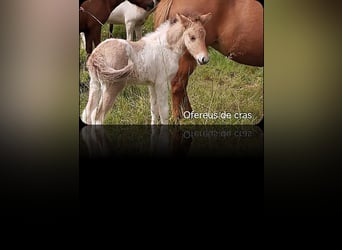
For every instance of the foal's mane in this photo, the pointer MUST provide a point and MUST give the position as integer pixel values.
(163, 27)
(163, 11)
(193, 16)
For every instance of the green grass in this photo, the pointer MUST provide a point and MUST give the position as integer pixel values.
(222, 87)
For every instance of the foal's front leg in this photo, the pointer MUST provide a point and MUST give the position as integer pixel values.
(154, 105)
(162, 91)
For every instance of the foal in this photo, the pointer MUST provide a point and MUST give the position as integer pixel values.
(153, 60)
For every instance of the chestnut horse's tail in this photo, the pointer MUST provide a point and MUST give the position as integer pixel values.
(162, 12)
(104, 72)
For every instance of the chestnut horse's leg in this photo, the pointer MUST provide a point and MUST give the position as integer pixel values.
(93, 38)
(89, 42)
(180, 99)
(97, 35)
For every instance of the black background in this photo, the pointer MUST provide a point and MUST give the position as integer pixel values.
(43, 179)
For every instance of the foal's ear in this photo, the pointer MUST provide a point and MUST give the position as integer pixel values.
(205, 18)
(186, 22)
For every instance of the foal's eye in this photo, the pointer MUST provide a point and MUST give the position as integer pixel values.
(192, 38)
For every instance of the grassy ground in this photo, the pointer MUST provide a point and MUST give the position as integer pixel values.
(225, 91)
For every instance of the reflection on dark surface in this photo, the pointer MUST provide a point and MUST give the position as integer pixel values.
(170, 141)
(123, 168)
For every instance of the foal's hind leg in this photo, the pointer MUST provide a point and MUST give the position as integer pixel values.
(180, 99)
(109, 94)
(89, 113)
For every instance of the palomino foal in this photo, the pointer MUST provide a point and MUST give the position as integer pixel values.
(153, 60)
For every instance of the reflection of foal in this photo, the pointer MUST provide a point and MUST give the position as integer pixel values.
(153, 60)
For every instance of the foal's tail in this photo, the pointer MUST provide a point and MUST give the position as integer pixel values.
(162, 12)
(107, 73)
(113, 75)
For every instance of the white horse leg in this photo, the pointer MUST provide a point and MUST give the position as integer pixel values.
(129, 30)
(83, 41)
(89, 113)
(161, 88)
(154, 105)
(109, 94)
(138, 32)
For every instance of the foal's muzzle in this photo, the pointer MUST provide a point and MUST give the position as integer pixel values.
(202, 60)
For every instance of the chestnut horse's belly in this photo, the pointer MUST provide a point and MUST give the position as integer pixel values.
(248, 57)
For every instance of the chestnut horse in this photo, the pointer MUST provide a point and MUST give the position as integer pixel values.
(94, 13)
(236, 31)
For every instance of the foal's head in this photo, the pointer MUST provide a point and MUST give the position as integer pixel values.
(194, 36)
